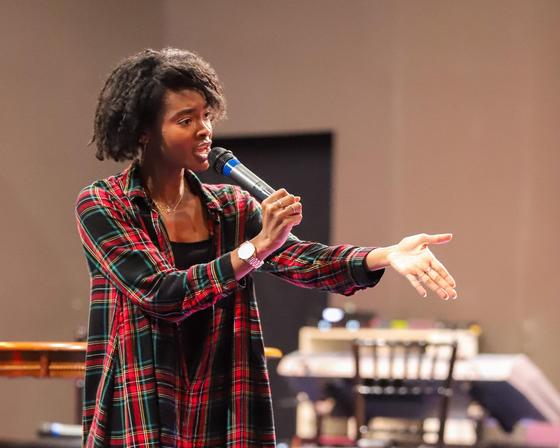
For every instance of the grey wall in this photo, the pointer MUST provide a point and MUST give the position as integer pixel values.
(445, 120)
(445, 116)
(54, 58)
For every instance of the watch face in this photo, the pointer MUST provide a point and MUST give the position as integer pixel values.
(246, 250)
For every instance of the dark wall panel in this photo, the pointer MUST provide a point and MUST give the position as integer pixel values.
(302, 165)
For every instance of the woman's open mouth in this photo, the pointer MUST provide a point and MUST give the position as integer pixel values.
(202, 150)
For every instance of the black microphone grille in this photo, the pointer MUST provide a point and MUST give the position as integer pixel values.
(218, 157)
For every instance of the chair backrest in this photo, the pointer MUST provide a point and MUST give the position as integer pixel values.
(402, 369)
(396, 364)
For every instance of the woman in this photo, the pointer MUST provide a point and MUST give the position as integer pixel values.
(175, 354)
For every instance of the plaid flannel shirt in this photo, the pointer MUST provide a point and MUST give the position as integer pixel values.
(137, 391)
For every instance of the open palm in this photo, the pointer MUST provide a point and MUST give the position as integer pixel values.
(413, 259)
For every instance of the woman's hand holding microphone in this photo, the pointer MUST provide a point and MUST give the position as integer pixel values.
(281, 211)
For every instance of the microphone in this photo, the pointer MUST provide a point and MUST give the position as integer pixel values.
(224, 162)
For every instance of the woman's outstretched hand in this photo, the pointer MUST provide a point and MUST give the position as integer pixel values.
(412, 258)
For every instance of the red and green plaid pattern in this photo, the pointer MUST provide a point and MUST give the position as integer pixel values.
(137, 390)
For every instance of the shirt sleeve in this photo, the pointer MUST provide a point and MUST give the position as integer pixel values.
(340, 269)
(125, 254)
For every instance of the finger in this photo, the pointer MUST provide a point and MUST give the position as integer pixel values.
(292, 199)
(291, 221)
(291, 210)
(442, 279)
(427, 280)
(294, 220)
(289, 199)
(283, 201)
(286, 202)
(441, 282)
(270, 201)
(444, 273)
(295, 208)
(274, 201)
(441, 238)
(278, 194)
(416, 284)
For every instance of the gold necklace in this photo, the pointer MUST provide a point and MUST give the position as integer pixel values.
(167, 209)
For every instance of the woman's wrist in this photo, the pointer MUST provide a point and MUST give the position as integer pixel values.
(262, 247)
(378, 258)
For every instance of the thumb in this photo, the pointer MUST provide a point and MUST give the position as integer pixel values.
(441, 238)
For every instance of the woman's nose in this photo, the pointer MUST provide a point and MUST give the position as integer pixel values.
(205, 128)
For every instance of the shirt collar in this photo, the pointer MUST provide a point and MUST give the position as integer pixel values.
(133, 188)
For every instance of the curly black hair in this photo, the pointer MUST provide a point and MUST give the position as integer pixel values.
(132, 98)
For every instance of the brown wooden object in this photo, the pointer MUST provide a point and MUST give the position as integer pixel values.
(55, 359)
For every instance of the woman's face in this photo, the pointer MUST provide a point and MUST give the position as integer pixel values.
(186, 130)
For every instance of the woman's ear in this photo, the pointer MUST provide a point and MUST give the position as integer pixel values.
(144, 139)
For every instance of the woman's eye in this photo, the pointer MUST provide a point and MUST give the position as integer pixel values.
(208, 115)
(185, 122)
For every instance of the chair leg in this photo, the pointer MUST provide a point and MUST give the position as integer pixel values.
(479, 426)
(359, 415)
(323, 408)
(442, 420)
(421, 430)
(319, 428)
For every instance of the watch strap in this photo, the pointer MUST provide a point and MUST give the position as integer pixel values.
(255, 262)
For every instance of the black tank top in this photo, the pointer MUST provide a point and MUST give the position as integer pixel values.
(195, 328)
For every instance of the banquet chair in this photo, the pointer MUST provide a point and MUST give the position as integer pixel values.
(402, 380)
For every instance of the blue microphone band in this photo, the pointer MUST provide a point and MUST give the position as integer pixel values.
(231, 164)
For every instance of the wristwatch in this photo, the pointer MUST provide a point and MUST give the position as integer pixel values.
(247, 252)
